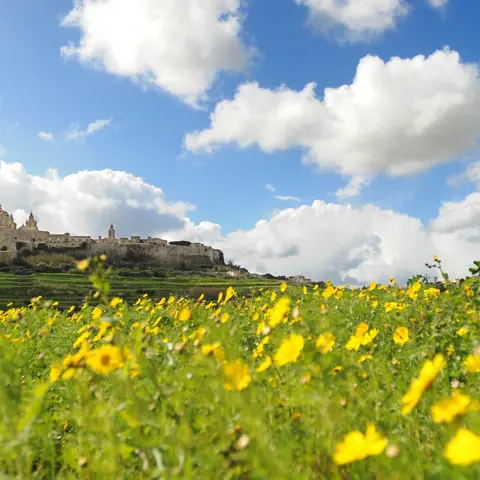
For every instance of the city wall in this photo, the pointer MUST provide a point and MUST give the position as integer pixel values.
(29, 240)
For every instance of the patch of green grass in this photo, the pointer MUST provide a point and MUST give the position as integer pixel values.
(68, 287)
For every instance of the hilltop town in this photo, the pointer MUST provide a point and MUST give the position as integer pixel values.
(28, 239)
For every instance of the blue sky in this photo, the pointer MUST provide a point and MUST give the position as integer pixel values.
(41, 90)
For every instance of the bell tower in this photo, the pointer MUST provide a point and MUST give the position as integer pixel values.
(111, 234)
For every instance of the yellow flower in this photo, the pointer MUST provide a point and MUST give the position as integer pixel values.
(400, 337)
(462, 331)
(105, 359)
(279, 312)
(115, 302)
(81, 339)
(463, 448)
(214, 349)
(372, 286)
(55, 373)
(353, 343)
(83, 265)
(104, 326)
(361, 330)
(289, 350)
(259, 349)
(412, 291)
(224, 318)
(325, 342)
(230, 293)
(261, 326)
(450, 350)
(446, 410)
(265, 365)
(370, 336)
(329, 291)
(356, 446)
(236, 375)
(428, 372)
(68, 374)
(96, 314)
(283, 287)
(472, 363)
(364, 358)
(185, 315)
(336, 370)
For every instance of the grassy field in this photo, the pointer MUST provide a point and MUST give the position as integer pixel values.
(290, 383)
(71, 288)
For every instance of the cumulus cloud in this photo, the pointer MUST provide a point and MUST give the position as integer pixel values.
(86, 202)
(45, 136)
(179, 46)
(322, 240)
(347, 244)
(398, 117)
(355, 20)
(287, 198)
(93, 127)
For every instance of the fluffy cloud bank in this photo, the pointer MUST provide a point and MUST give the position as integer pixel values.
(347, 244)
(321, 240)
(356, 20)
(179, 46)
(397, 117)
(85, 203)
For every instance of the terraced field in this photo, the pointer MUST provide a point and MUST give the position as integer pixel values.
(71, 288)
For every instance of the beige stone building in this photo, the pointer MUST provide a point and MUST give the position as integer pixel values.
(157, 251)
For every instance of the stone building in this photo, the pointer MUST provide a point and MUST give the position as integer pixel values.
(155, 251)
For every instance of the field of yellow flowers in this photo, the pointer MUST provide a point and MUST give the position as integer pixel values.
(292, 382)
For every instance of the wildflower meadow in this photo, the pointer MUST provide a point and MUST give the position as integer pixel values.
(285, 382)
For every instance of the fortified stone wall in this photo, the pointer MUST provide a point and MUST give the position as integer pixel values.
(28, 239)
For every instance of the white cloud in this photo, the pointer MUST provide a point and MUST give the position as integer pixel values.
(179, 46)
(270, 187)
(398, 117)
(343, 244)
(321, 240)
(353, 188)
(45, 136)
(437, 3)
(86, 202)
(3, 151)
(288, 198)
(92, 128)
(470, 175)
(355, 20)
